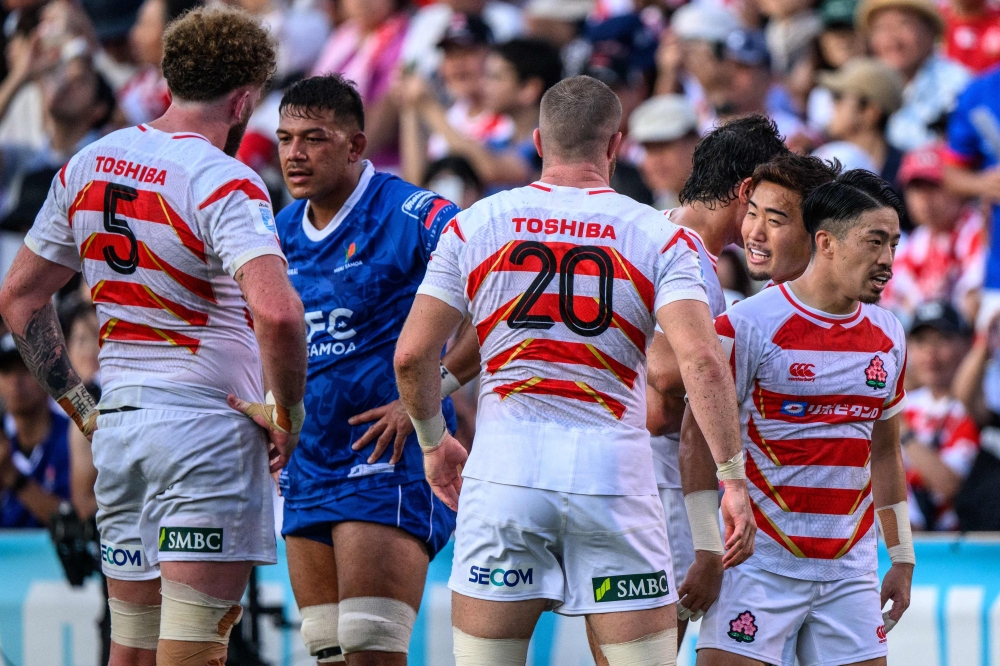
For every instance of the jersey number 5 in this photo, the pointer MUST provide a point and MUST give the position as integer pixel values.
(112, 195)
(520, 316)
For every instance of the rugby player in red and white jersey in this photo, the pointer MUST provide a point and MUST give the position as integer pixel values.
(819, 377)
(176, 240)
(564, 281)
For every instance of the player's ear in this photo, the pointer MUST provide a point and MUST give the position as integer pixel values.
(356, 146)
(241, 103)
(616, 141)
(536, 137)
(824, 242)
(744, 192)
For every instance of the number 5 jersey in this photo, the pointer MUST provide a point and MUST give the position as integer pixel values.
(159, 224)
(562, 285)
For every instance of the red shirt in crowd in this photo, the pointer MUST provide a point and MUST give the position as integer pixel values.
(973, 41)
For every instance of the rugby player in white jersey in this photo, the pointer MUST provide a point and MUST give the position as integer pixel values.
(564, 280)
(176, 240)
(819, 377)
(778, 249)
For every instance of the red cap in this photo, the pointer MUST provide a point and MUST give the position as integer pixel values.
(925, 163)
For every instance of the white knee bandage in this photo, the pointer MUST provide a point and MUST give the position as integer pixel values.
(375, 624)
(472, 651)
(319, 632)
(190, 615)
(134, 625)
(659, 649)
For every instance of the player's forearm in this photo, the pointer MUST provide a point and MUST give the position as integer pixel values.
(40, 341)
(462, 358)
(888, 477)
(696, 463)
(488, 165)
(418, 378)
(417, 359)
(712, 399)
(664, 374)
(281, 337)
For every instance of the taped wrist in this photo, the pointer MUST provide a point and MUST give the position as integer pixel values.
(134, 625)
(287, 419)
(733, 469)
(475, 651)
(193, 616)
(894, 520)
(703, 515)
(659, 649)
(449, 382)
(319, 632)
(79, 405)
(430, 431)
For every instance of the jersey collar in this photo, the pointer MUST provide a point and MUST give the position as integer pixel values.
(824, 318)
(545, 187)
(316, 235)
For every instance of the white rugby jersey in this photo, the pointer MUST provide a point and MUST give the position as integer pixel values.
(562, 285)
(810, 387)
(666, 448)
(159, 223)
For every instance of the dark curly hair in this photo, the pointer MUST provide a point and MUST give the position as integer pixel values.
(331, 92)
(798, 173)
(837, 206)
(727, 156)
(208, 53)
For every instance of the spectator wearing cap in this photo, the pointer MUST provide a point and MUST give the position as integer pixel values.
(428, 25)
(972, 170)
(943, 258)
(865, 93)
(940, 440)
(972, 33)
(901, 34)
(701, 30)
(792, 27)
(34, 449)
(558, 21)
(667, 130)
(465, 45)
(838, 41)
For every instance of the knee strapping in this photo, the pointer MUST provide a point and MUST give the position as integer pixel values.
(473, 651)
(659, 649)
(319, 632)
(190, 653)
(375, 624)
(195, 617)
(134, 625)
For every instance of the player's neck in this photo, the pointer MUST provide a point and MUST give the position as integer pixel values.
(323, 210)
(203, 120)
(574, 175)
(714, 226)
(818, 290)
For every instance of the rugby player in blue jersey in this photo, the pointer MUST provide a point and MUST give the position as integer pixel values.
(360, 522)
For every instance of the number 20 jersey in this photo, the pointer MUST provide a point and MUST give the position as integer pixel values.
(159, 223)
(562, 285)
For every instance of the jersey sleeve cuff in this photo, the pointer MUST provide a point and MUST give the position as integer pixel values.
(69, 258)
(444, 295)
(680, 295)
(262, 251)
(893, 409)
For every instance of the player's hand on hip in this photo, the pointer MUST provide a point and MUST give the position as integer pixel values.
(737, 515)
(896, 587)
(701, 586)
(392, 424)
(282, 424)
(443, 468)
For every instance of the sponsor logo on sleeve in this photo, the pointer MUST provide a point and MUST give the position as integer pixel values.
(743, 629)
(416, 202)
(122, 558)
(512, 577)
(263, 218)
(190, 540)
(631, 586)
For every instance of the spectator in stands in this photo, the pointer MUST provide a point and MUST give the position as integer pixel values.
(839, 41)
(733, 275)
(942, 258)
(560, 22)
(792, 27)
(34, 454)
(901, 34)
(145, 96)
(701, 29)
(667, 130)
(940, 441)
(972, 33)
(865, 93)
(453, 178)
(973, 171)
(111, 21)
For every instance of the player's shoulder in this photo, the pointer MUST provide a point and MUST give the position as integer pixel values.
(766, 308)
(886, 321)
(390, 197)
(217, 176)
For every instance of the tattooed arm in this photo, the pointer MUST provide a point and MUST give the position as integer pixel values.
(26, 308)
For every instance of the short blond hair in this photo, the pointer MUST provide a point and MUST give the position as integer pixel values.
(578, 117)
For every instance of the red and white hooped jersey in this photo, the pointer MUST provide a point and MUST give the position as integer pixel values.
(159, 223)
(810, 387)
(562, 285)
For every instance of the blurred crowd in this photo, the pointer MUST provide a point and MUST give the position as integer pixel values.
(908, 89)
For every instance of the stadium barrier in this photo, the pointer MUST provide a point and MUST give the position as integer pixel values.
(954, 619)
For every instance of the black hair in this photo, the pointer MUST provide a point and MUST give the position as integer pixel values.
(457, 165)
(532, 58)
(798, 173)
(103, 95)
(836, 206)
(331, 92)
(727, 156)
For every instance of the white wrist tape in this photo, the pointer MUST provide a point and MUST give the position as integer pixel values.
(703, 515)
(449, 382)
(430, 431)
(895, 523)
(733, 469)
(287, 419)
(79, 405)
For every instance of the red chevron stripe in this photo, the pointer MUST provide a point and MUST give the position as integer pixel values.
(822, 451)
(566, 389)
(120, 330)
(241, 185)
(436, 208)
(802, 499)
(556, 351)
(139, 295)
(822, 548)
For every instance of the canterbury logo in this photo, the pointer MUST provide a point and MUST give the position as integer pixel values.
(803, 371)
(881, 632)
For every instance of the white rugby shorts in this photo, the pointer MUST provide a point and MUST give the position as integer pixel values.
(775, 619)
(181, 486)
(678, 531)
(586, 553)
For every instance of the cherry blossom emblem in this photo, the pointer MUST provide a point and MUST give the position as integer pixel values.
(875, 374)
(742, 629)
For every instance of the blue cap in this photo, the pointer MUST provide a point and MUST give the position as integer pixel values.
(622, 48)
(748, 47)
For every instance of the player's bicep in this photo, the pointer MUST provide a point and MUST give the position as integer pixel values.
(51, 236)
(736, 340)
(241, 227)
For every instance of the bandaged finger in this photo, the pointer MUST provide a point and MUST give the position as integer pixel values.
(284, 419)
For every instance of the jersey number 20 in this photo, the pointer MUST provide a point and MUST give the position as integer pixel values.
(520, 316)
(113, 224)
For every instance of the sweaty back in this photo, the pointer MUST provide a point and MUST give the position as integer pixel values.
(562, 285)
(159, 224)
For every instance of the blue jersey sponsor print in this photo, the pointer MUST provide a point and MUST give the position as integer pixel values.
(357, 278)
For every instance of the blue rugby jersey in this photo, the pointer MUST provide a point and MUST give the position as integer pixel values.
(357, 279)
